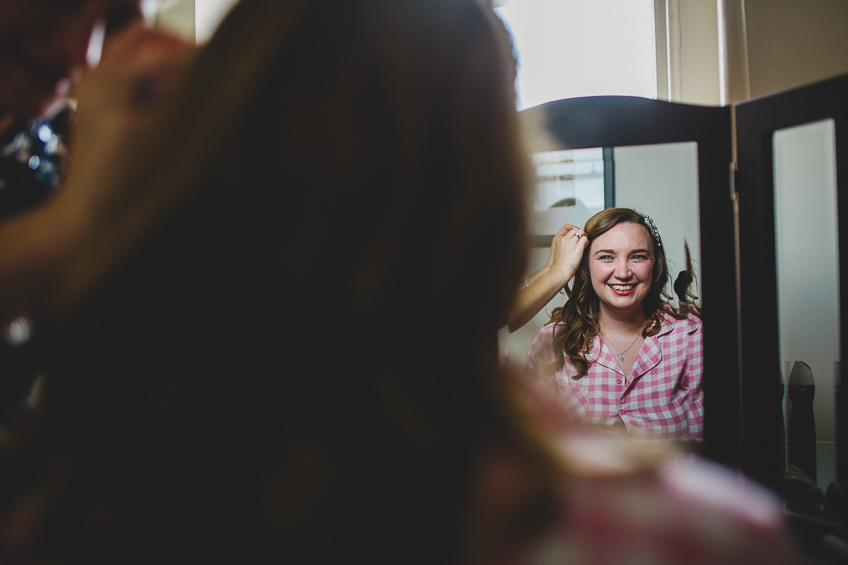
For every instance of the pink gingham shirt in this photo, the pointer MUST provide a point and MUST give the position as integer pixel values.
(661, 397)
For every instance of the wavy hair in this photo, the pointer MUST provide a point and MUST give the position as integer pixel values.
(578, 320)
(264, 350)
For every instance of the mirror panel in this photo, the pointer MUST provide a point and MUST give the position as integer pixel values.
(807, 254)
(660, 180)
(789, 147)
(616, 122)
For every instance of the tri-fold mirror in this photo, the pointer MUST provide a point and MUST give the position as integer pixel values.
(763, 229)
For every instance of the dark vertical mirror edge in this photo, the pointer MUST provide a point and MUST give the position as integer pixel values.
(613, 121)
(609, 177)
(763, 436)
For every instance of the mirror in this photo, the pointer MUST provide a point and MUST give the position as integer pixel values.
(625, 123)
(807, 254)
(660, 180)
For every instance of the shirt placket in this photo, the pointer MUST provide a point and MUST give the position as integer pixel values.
(622, 383)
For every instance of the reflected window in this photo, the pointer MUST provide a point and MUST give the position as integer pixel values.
(569, 188)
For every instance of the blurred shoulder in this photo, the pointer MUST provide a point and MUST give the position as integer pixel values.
(624, 498)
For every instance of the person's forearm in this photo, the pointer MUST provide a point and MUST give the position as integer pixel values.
(533, 277)
(528, 302)
(32, 245)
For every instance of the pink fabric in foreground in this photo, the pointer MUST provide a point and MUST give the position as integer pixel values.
(630, 505)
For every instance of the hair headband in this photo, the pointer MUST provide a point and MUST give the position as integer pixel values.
(649, 223)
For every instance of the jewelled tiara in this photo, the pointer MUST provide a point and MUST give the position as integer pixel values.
(649, 223)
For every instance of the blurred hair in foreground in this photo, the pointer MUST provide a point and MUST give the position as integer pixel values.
(279, 339)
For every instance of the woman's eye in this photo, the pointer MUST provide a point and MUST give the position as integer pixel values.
(605, 257)
(640, 257)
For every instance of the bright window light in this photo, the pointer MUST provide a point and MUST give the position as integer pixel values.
(569, 48)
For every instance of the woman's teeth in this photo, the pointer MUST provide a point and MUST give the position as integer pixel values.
(622, 286)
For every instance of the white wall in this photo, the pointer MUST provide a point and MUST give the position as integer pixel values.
(792, 42)
(687, 51)
(788, 43)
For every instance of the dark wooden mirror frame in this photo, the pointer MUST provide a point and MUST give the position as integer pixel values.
(614, 121)
(764, 448)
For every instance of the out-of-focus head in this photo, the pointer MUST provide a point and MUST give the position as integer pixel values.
(378, 181)
(597, 272)
(44, 42)
(288, 315)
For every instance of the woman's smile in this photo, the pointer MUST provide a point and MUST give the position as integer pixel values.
(622, 288)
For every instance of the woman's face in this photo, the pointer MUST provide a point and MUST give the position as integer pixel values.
(621, 265)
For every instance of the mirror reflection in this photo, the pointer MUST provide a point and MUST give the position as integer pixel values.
(659, 180)
(808, 299)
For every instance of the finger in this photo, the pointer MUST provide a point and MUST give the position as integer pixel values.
(555, 243)
(576, 234)
(566, 228)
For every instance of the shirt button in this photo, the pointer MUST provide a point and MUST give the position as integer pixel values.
(619, 381)
(623, 411)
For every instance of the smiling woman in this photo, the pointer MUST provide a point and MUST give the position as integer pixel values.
(619, 355)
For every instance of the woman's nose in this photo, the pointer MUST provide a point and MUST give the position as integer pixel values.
(622, 270)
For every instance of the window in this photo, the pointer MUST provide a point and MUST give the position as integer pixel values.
(569, 48)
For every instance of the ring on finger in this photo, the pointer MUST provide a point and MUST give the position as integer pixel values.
(577, 235)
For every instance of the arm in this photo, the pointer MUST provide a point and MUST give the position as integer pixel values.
(32, 245)
(563, 259)
(35, 245)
